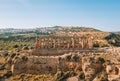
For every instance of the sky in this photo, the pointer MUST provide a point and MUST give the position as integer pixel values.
(99, 14)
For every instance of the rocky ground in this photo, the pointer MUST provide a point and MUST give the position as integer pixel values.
(96, 67)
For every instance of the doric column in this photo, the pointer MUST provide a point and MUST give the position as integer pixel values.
(82, 42)
(68, 45)
(90, 42)
(54, 43)
(80, 46)
(37, 43)
(50, 43)
(42, 46)
(73, 42)
(58, 43)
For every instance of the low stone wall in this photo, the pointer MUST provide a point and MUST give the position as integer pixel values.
(35, 65)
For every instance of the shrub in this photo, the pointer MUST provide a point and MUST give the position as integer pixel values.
(75, 58)
(13, 55)
(5, 53)
(24, 58)
(2, 66)
(8, 74)
(96, 44)
(81, 75)
(68, 58)
(58, 76)
(16, 46)
(25, 48)
(100, 44)
(101, 60)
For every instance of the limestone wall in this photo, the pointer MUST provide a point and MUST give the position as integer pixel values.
(36, 65)
(51, 64)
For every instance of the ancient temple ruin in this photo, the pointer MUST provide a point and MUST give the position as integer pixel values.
(58, 45)
(64, 42)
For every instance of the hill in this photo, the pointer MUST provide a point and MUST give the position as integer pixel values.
(97, 64)
(26, 37)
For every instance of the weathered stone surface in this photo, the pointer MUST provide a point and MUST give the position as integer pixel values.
(65, 42)
(73, 79)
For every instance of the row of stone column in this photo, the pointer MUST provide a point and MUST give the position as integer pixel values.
(62, 42)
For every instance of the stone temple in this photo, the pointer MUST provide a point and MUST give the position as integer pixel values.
(58, 45)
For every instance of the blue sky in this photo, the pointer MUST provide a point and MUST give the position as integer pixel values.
(100, 14)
